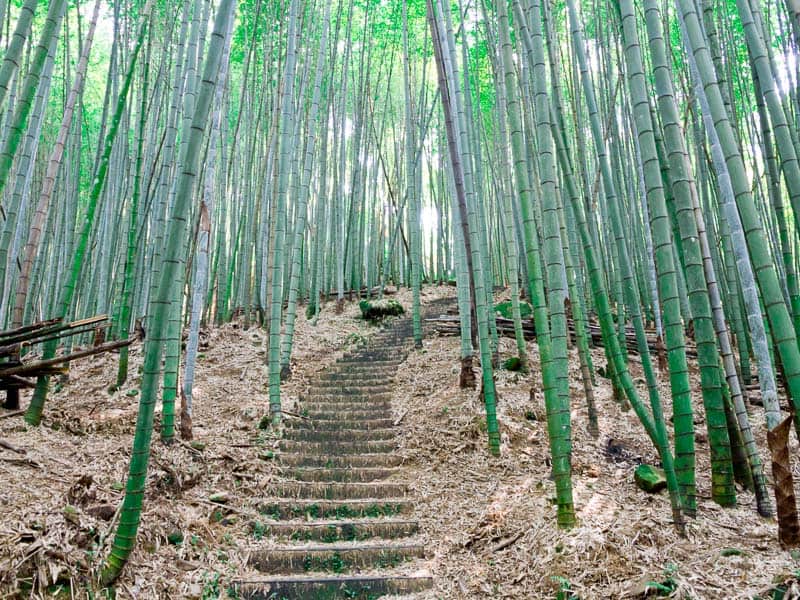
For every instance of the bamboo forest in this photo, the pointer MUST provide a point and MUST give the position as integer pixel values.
(420, 299)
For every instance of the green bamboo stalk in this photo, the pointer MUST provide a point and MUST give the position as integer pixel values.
(130, 515)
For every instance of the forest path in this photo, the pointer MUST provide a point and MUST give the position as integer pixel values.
(339, 522)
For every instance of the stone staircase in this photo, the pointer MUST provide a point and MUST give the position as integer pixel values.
(340, 523)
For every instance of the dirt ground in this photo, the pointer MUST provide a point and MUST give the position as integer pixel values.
(488, 523)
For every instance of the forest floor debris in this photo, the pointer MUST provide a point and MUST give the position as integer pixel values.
(489, 524)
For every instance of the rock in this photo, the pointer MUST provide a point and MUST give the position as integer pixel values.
(104, 512)
(505, 309)
(250, 413)
(71, 514)
(592, 471)
(219, 498)
(650, 479)
(378, 309)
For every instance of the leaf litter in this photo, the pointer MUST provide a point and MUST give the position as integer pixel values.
(488, 523)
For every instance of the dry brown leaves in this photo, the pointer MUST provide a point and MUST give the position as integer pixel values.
(489, 524)
(59, 499)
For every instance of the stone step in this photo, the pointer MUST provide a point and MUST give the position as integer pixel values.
(337, 425)
(366, 363)
(365, 378)
(366, 359)
(330, 587)
(284, 508)
(351, 387)
(344, 403)
(384, 392)
(330, 532)
(322, 395)
(378, 351)
(337, 448)
(335, 490)
(338, 558)
(358, 376)
(341, 462)
(322, 435)
(364, 369)
(341, 416)
(339, 474)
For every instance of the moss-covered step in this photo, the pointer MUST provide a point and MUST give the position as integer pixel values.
(330, 532)
(335, 401)
(283, 508)
(347, 377)
(336, 490)
(361, 424)
(332, 396)
(347, 415)
(358, 587)
(353, 385)
(335, 558)
(338, 448)
(321, 435)
(338, 474)
(384, 409)
(367, 363)
(353, 367)
(294, 459)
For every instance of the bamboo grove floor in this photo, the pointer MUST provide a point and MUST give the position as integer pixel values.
(488, 525)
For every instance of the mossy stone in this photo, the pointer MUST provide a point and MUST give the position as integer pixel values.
(505, 309)
(649, 478)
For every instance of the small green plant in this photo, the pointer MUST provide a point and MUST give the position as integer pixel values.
(353, 339)
(668, 585)
(259, 530)
(273, 511)
(564, 588)
(211, 589)
(331, 534)
(337, 564)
